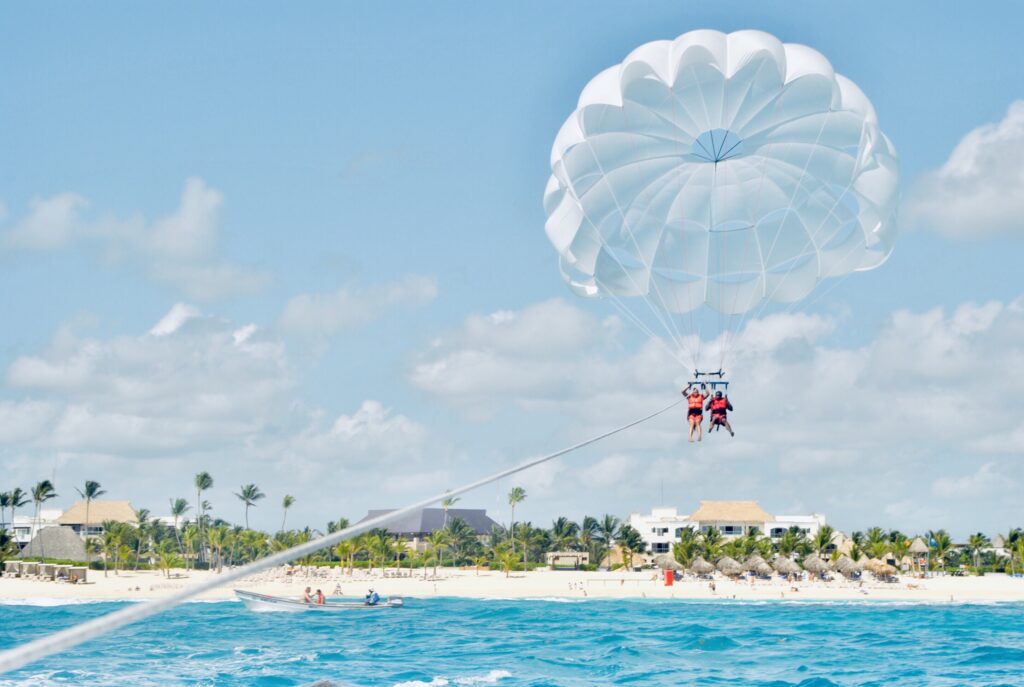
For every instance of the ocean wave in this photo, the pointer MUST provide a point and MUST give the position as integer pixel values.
(489, 679)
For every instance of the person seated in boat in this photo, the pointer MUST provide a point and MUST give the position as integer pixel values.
(372, 598)
(720, 406)
(320, 598)
(306, 598)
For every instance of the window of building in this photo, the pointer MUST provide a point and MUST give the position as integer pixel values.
(778, 531)
(659, 547)
(731, 529)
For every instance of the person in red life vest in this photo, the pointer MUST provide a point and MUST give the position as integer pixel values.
(719, 407)
(695, 400)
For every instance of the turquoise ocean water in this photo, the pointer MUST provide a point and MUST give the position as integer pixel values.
(544, 642)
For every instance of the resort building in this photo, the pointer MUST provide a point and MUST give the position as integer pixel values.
(663, 526)
(99, 512)
(417, 526)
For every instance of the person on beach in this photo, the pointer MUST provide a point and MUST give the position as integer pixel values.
(320, 598)
(372, 598)
(695, 401)
(719, 407)
(306, 598)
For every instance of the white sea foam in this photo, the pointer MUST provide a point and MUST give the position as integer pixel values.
(489, 679)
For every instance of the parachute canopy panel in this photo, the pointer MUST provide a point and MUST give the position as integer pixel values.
(719, 170)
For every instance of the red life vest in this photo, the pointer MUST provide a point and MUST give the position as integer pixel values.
(696, 401)
(719, 405)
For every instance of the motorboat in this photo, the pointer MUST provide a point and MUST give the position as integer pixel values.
(264, 602)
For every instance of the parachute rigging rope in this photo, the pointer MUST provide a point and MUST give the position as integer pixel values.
(63, 640)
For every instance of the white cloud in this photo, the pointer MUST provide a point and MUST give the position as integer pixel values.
(178, 249)
(319, 315)
(985, 480)
(979, 191)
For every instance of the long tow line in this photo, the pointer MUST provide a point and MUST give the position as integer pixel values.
(19, 656)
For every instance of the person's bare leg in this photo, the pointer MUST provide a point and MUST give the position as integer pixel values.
(729, 427)
(700, 430)
(691, 429)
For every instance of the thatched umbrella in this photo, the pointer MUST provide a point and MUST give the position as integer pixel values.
(763, 569)
(752, 562)
(813, 564)
(729, 566)
(701, 566)
(785, 566)
(666, 561)
(918, 547)
(847, 566)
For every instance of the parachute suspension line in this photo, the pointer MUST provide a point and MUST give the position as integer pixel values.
(668, 326)
(736, 323)
(785, 215)
(679, 341)
(810, 241)
(673, 325)
(642, 326)
(56, 642)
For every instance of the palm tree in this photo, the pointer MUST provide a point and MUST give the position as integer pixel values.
(607, 528)
(346, 551)
(337, 525)
(630, 541)
(18, 499)
(249, 495)
(202, 481)
(564, 533)
(437, 539)
(91, 491)
(218, 538)
(41, 493)
(977, 542)
(823, 538)
(446, 504)
(178, 509)
(515, 496)
(286, 503)
(142, 533)
(588, 536)
(940, 543)
(5, 503)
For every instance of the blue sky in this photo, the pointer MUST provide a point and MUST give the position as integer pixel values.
(385, 163)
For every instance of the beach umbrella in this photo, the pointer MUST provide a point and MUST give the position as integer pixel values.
(785, 566)
(813, 564)
(752, 562)
(763, 568)
(666, 561)
(701, 566)
(918, 546)
(847, 566)
(729, 566)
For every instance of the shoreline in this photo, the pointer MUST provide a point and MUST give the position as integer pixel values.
(560, 586)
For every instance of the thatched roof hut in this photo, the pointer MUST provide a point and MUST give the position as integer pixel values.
(666, 561)
(729, 566)
(847, 566)
(752, 562)
(785, 566)
(55, 542)
(763, 569)
(918, 546)
(813, 564)
(701, 566)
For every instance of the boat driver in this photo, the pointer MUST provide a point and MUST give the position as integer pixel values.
(372, 598)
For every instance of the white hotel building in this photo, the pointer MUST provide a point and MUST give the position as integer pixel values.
(663, 526)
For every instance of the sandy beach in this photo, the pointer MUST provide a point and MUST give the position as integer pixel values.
(539, 584)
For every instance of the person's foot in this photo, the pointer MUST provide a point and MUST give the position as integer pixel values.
(691, 440)
(732, 433)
